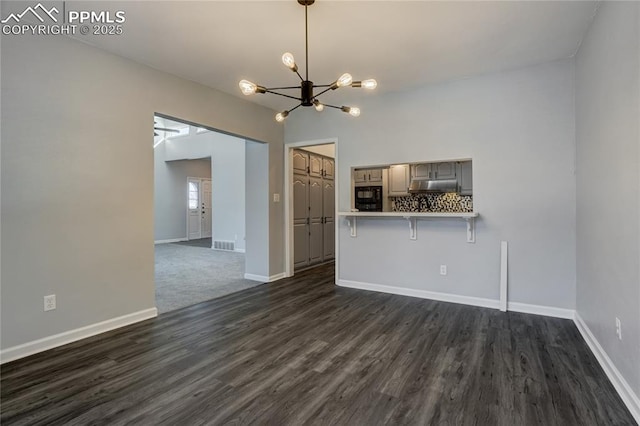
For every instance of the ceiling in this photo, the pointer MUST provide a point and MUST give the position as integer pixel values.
(403, 44)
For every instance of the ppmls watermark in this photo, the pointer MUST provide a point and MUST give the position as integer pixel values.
(40, 20)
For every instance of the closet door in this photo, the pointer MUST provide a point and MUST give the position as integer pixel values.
(328, 207)
(300, 220)
(315, 217)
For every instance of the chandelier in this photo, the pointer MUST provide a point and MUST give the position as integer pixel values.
(307, 97)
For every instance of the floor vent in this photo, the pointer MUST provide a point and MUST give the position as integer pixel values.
(224, 245)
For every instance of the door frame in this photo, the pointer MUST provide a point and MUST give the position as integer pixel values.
(288, 202)
(200, 179)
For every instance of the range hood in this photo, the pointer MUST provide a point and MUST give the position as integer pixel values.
(433, 185)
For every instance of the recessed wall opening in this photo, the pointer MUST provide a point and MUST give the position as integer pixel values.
(199, 214)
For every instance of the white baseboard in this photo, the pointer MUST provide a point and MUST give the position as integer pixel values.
(239, 250)
(50, 342)
(547, 311)
(630, 399)
(171, 240)
(423, 294)
(264, 278)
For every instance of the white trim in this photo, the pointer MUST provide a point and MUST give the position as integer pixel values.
(170, 240)
(504, 247)
(264, 278)
(423, 294)
(630, 399)
(547, 311)
(239, 250)
(50, 342)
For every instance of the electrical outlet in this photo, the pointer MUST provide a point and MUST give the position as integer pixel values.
(50, 302)
(443, 269)
(619, 328)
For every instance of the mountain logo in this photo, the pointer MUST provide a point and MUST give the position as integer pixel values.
(33, 11)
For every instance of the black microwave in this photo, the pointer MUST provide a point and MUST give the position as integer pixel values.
(368, 198)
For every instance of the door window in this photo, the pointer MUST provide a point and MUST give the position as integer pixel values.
(194, 194)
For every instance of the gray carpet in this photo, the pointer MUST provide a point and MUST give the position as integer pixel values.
(190, 274)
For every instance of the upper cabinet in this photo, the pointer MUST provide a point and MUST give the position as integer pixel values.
(399, 180)
(444, 170)
(366, 177)
(421, 171)
(465, 178)
(436, 171)
(328, 168)
(315, 165)
(300, 162)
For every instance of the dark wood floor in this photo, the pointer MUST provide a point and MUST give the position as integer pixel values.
(303, 351)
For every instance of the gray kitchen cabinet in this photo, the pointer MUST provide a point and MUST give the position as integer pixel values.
(328, 206)
(360, 176)
(421, 171)
(375, 176)
(443, 170)
(366, 177)
(316, 220)
(328, 168)
(316, 231)
(300, 162)
(300, 220)
(465, 178)
(315, 165)
(436, 171)
(399, 180)
(315, 200)
(313, 208)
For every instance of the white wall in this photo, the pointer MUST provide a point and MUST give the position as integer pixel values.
(77, 181)
(227, 172)
(608, 184)
(518, 127)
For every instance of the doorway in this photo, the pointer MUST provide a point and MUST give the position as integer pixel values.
(198, 208)
(199, 203)
(310, 204)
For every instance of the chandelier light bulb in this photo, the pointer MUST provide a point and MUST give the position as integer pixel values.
(289, 61)
(344, 80)
(354, 111)
(319, 107)
(281, 116)
(247, 87)
(369, 84)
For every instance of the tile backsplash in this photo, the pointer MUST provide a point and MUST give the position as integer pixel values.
(433, 202)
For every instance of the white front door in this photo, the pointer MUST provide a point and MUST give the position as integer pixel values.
(194, 199)
(205, 203)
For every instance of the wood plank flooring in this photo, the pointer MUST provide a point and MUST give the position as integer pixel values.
(303, 351)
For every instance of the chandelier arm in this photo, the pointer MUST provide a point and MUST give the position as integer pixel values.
(332, 106)
(301, 79)
(322, 85)
(324, 91)
(283, 88)
(295, 107)
(282, 94)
